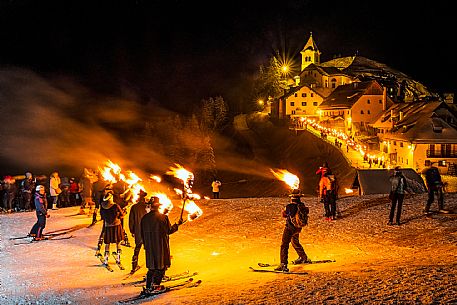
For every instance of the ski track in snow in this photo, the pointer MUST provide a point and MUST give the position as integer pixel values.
(415, 263)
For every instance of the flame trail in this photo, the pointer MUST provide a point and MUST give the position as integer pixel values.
(290, 179)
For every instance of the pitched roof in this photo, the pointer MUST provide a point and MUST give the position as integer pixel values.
(296, 89)
(345, 96)
(421, 123)
(310, 44)
(323, 70)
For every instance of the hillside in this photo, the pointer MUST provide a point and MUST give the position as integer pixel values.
(268, 146)
(414, 263)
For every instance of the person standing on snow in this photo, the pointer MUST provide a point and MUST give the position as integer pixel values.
(113, 233)
(137, 211)
(27, 187)
(155, 231)
(216, 188)
(434, 185)
(291, 234)
(327, 193)
(98, 190)
(54, 189)
(41, 206)
(397, 194)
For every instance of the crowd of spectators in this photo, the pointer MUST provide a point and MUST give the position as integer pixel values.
(17, 192)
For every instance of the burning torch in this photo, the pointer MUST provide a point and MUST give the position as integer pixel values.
(188, 181)
(290, 179)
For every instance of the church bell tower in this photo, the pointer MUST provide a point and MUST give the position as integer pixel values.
(310, 53)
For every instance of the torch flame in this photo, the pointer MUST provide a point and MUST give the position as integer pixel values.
(290, 179)
(156, 178)
(165, 203)
(180, 172)
(194, 211)
(348, 191)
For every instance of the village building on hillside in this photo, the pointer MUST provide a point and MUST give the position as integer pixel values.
(353, 108)
(414, 135)
(303, 101)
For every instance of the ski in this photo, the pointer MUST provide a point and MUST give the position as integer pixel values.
(93, 224)
(263, 265)
(274, 271)
(143, 295)
(119, 264)
(179, 276)
(131, 273)
(48, 234)
(170, 278)
(54, 237)
(107, 266)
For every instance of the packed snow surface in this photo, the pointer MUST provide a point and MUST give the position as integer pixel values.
(415, 263)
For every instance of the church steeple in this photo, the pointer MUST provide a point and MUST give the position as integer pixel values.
(310, 53)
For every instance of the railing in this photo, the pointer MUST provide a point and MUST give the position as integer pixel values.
(441, 154)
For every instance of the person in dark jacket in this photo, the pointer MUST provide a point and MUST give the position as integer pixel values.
(434, 185)
(27, 188)
(41, 206)
(137, 211)
(9, 188)
(122, 195)
(291, 234)
(398, 188)
(111, 215)
(98, 190)
(155, 231)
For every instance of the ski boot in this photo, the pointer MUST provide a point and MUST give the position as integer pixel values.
(282, 267)
(118, 256)
(126, 241)
(94, 216)
(106, 258)
(301, 260)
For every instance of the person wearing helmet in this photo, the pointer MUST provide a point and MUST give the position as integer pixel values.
(41, 206)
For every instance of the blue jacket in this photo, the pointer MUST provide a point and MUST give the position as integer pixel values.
(41, 204)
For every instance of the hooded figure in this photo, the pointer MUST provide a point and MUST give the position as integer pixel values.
(155, 231)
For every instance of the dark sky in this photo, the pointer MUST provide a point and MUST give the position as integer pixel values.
(178, 52)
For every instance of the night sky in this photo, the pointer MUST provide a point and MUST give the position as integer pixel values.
(178, 52)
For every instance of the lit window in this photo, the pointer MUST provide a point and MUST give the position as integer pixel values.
(312, 94)
(314, 103)
(401, 144)
(303, 94)
(292, 103)
(303, 103)
(380, 101)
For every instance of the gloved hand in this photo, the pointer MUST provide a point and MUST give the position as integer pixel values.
(180, 221)
(48, 215)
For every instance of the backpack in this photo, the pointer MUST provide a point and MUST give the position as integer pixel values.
(301, 217)
(334, 185)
